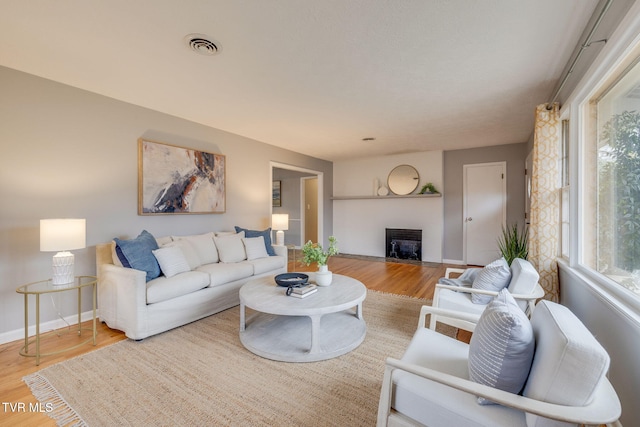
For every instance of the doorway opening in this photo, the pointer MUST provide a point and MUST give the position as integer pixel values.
(301, 192)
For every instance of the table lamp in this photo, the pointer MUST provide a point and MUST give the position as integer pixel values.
(280, 222)
(62, 235)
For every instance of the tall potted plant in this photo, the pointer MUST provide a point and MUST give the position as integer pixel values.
(313, 252)
(513, 243)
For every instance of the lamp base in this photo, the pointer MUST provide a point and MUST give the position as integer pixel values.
(62, 268)
(279, 238)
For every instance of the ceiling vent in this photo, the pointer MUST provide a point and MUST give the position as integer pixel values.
(202, 44)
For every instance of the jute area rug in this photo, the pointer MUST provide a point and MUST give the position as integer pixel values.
(200, 374)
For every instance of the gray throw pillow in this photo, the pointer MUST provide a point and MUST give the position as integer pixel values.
(502, 346)
(493, 277)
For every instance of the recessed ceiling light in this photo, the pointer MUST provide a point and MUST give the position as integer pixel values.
(202, 44)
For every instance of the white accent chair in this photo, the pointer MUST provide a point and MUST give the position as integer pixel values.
(523, 286)
(566, 385)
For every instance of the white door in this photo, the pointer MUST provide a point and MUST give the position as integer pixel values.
(484, 210)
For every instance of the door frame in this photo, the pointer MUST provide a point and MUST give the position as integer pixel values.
(320, 176)
(465, 215)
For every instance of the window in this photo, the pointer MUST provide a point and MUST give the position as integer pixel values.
(611, 228)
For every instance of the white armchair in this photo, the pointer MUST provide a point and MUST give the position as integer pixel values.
(523, 286)
(430, 385)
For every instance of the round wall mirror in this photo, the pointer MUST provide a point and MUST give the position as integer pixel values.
(403, 180)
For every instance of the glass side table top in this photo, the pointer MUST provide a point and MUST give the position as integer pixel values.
(45, 286)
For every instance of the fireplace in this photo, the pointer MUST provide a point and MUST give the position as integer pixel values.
(402, 243)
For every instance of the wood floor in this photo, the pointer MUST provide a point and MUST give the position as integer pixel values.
(406, 279)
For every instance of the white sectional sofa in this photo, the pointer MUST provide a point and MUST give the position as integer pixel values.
(200, 275)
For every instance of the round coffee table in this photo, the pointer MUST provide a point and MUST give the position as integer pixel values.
(319, 327)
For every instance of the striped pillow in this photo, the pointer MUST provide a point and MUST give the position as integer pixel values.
(171, 260)
(502, 346)
(493, 277)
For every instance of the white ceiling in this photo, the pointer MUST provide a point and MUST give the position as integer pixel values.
(313, 76)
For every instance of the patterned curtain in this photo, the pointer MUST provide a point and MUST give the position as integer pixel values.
(544, 227)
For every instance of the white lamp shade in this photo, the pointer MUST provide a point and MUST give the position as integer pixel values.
(62, 234)
(280, 221)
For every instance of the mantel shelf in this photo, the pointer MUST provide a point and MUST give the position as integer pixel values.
(391, 196)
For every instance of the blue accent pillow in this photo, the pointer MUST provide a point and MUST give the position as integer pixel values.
(255, 233)
(136, 253)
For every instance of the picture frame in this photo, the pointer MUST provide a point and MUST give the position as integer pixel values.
(276, 199)
(178, 180)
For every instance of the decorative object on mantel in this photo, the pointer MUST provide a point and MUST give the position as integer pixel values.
(383, 191)
(176, 180)
(313, 252)
(403, 180)
(429, 188)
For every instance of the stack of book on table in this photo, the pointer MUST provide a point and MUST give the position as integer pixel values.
(304, 291)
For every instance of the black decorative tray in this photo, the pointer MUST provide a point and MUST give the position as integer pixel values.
(291, 279)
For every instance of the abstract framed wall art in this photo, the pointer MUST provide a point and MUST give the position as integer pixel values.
(177, 180)
(276, 194)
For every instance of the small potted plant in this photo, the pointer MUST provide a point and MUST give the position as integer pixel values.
(513, 243)
(313, 252)
(428, 188)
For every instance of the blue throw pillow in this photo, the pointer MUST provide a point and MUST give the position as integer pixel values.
(255, 233)
(137, 253)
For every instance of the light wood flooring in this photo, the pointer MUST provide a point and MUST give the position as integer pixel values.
(406, 279)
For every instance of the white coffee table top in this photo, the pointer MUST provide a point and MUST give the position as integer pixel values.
(264, 295)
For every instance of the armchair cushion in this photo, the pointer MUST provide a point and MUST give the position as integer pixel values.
(524, 277)
(569, 362)
(493, 277)
(435, 404)
(502, 346)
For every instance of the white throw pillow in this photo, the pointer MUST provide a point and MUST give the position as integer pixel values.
(171, 260)
(255, 248)
(502, 346)
(204, 246)
(493, 277)
(230, 247)
(188, 251)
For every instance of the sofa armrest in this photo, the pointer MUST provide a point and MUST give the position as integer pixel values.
(122, 298)
(282, 251)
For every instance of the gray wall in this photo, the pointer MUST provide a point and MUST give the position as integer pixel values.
(71, 153)
(514, 155)
(614, 328)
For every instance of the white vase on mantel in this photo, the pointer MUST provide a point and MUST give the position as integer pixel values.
(323, 276)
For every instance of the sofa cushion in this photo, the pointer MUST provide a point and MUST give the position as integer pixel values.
(231, 248)
(569, 362)
(254, 247)
(493, 277)
(269, 263)
(136, 253)
(204, 246)
(266, 234)
(171, 260)
(502, 346)
(222, 273)
(165, 288)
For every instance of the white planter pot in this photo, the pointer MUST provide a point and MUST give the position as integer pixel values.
(323, 276)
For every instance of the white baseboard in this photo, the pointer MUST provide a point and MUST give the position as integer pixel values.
(18, 334)
(453, 261)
